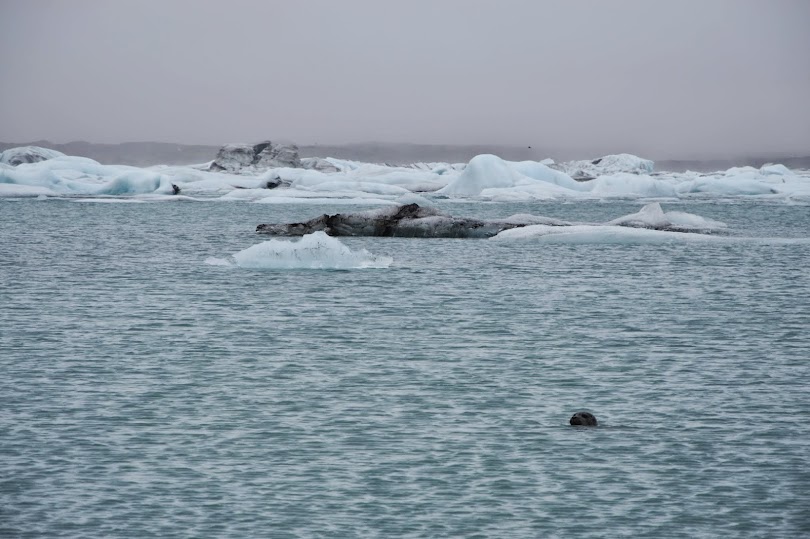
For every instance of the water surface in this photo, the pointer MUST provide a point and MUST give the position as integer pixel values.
(146, 393)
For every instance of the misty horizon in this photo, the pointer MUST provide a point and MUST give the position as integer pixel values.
(669, 81)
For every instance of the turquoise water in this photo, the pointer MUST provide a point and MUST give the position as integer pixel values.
(148, 394)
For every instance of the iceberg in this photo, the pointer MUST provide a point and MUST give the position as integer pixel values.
(775, 170)
(65, 175)
(27, 154)
(319, 164)
(599, 234)
(694, 223)
(607, 165)
(624, 185)
(651, 224)
(489, 176)
(652, 216)
(729, 185)
(407, 221)
(483, 172)
(312, 251)
(415, 221)
(250, 158)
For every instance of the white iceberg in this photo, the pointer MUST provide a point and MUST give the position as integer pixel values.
(737, 183)
(624, 185)
(775, 170)
(312, 251)
(654, 217)
(651, 224)
(599, 234)
(490, 176)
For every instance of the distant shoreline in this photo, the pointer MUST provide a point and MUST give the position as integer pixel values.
(144, 154)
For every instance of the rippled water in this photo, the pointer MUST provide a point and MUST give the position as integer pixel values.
(146, 393)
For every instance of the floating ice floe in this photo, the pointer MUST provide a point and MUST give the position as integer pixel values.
(649, 225)
(407, 221)
(312, 251)
(652, 216)
(598, 234)
(414, 221)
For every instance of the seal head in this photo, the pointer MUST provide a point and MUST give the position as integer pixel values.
(584, 419)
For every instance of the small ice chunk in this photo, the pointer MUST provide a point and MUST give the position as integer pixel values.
(312, 251)
(650, 216)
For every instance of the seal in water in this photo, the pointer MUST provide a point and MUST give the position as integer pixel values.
(585, 419)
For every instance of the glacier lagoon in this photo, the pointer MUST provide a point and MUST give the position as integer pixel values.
(156, 386)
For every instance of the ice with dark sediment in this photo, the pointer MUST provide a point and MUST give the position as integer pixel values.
(406, 221)
(607, 165)
(252, 158)
(415, 221)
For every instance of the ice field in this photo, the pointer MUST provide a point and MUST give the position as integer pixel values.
(484, 178)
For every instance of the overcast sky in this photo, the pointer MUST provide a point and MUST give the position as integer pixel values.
(661, 78)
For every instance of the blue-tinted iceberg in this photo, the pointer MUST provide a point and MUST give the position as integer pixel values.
(63, 175)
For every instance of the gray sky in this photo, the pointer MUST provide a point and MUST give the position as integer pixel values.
(662, 78)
